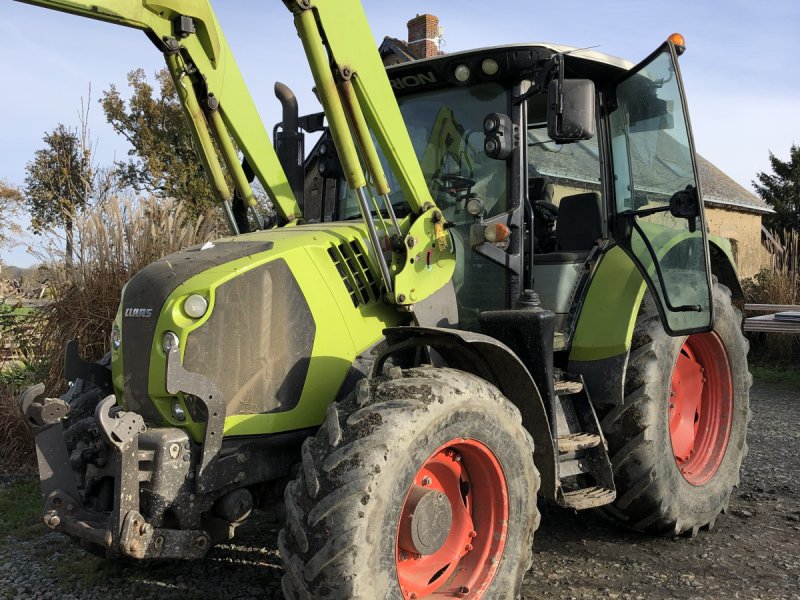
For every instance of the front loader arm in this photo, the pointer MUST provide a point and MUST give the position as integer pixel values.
(359, 103)
(210, 87)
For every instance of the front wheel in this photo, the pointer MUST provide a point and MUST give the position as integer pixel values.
(419, 485)
(678, 441)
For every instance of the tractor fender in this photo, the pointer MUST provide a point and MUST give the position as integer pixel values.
(723, 267)
(608, 314)
(494, 362)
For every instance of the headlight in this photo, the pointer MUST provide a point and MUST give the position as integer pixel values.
(195, 306)
(490, 67)
(462, 73)
(116, 337)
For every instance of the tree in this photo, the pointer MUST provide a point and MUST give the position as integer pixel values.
(781, 190)
(163, 160)
(60, 181)
(11, 198)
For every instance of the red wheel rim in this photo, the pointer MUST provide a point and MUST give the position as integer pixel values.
(700, 407)
(468, 473)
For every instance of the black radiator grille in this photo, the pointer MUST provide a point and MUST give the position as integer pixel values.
(355, 272)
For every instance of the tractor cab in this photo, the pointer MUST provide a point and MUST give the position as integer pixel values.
(543, 158)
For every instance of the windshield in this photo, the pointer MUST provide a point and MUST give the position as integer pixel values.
(446, 130)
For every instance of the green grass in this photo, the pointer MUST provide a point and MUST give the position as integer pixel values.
(21, 510)
(771, 375)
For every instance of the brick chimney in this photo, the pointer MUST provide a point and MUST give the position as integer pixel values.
(423, 31)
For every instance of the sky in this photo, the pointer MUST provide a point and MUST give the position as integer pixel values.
(741, 69)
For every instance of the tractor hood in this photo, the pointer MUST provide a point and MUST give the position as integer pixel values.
(275, 318)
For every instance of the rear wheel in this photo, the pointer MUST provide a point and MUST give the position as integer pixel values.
(418, 485)
(678, 441)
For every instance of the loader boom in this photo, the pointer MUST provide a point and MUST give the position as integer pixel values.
(210, 87)
(358, 100)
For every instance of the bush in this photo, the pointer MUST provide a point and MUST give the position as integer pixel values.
(16, 443)
(112, 243)
(778, 284)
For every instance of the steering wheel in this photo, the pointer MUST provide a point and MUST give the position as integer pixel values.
(454, 183)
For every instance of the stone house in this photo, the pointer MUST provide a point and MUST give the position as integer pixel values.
(732, 211)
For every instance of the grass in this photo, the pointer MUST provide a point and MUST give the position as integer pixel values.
(20, 510)
(113, 242)
(772, 375)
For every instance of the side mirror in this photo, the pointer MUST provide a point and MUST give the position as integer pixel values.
(570, 110)
(500, 136)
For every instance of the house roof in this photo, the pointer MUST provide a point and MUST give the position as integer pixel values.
(721, 190)
(399, 48)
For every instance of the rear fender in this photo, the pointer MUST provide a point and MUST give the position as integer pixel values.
(494, 362)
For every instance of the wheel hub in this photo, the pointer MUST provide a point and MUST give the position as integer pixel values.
(700, 407)
(426, 520)
(453, 524)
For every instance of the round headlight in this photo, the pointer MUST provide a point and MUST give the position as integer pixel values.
(475, 207)
(170, 341)
(116, 337)
(490, 66)
(462, 73)
(195, 306)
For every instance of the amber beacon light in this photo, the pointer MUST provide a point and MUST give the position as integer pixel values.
(679, 42)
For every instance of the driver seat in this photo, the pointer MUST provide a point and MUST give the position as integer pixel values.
(578, 228)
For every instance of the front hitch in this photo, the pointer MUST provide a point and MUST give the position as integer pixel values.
(67, 509)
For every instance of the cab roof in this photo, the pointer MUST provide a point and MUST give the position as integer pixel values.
(515, 61)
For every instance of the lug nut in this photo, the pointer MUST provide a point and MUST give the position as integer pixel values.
(54, 521)
(468, 548)
(403, 556)
(473, 534)
(426, 480)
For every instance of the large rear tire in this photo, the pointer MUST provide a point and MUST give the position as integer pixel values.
(678, 441)
(418, 483)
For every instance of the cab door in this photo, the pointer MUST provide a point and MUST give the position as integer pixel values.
(657, 211)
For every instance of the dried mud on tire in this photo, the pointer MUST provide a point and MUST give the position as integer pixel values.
(752, 553)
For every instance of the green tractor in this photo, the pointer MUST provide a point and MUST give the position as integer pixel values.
(490, 281)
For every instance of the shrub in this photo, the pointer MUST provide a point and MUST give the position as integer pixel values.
(112, 243)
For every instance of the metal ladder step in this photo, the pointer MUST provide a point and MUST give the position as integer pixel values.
(588, 497)
(578, 441)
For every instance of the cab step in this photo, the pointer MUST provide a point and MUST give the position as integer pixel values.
(588, 497)
(585, 478)
(565, 387)
(572, 442)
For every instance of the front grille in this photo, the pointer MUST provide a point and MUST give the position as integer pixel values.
(257, 343)
(351, 262)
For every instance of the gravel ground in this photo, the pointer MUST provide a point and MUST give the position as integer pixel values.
(753, 553)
